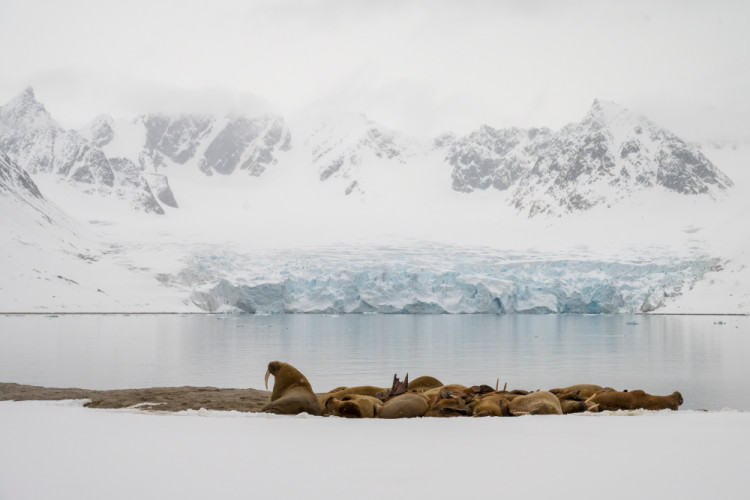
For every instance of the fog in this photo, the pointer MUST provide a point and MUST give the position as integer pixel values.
(419, 67)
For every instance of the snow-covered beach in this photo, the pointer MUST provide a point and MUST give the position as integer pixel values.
(61, 450)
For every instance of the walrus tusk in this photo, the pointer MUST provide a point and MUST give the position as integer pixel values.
(268, 372)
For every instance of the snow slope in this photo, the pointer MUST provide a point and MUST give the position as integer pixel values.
(90, 454)
(50, 262)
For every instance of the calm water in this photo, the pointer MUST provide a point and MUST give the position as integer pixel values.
(706, 361)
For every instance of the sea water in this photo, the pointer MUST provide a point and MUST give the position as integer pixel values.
(704, 357)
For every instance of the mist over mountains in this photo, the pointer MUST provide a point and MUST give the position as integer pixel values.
(608, 156)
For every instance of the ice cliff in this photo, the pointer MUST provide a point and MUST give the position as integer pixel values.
(433, 281)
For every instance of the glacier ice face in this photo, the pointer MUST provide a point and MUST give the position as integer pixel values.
(426, 280)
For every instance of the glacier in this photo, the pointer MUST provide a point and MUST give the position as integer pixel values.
(432, 281)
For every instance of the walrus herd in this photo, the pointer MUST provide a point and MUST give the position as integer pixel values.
(428, 397)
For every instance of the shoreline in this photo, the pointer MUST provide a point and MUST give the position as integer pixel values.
(171, 399)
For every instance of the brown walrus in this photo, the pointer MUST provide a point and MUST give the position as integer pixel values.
(451, 388)
(536, 403)
(292, 393)
(635, 400)
(492, 405)
(583, 390)
(341, 392)
(406, 405)
(573, 402)
(450, 406)
(354, 406)
(424, 383)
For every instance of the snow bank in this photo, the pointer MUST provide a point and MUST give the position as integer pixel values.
(62, 450)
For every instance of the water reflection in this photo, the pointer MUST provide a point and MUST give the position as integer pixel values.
(660, 354)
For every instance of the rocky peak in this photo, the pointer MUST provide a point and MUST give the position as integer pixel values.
(24, 111)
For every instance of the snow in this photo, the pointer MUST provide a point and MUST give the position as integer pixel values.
(62, 450)
(389, 210)
(236, 228)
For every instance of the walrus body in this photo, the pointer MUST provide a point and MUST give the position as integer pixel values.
(572, 406)
(492, 405)
(583, 390)
(635, 400)
(573, 402)
(451, 388)
(292, 393)
(449, 407)
(424, 383)
(354, 406)
(404, 406)
(341, 392)
(536, 403)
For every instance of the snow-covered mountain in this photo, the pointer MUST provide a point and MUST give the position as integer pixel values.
(609, 155)
(32, 139)
(336, 213)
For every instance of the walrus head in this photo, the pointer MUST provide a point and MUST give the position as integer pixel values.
(677, 396)
(273, 369)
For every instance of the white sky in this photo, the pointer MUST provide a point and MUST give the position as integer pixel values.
(421, 67)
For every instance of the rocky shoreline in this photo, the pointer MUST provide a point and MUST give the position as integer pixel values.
(150, 399)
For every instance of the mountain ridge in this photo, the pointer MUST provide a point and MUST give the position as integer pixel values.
(609, 155)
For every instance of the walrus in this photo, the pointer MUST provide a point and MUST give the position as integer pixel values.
(424, 383)
(340, 392)
(292, 393)
(448, 406)
(635, 400)
(452, 388)
(492, 405)
(583, 390)
(536, 403)
(406, 405)
(354, 406)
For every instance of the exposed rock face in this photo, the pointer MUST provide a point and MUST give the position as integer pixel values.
(159, 185)
(175, 137)
(246, 144)
(497, 158)
(219, 146)
(14, 181)
(609, 155)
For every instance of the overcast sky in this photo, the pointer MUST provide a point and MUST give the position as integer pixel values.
(420, 67)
